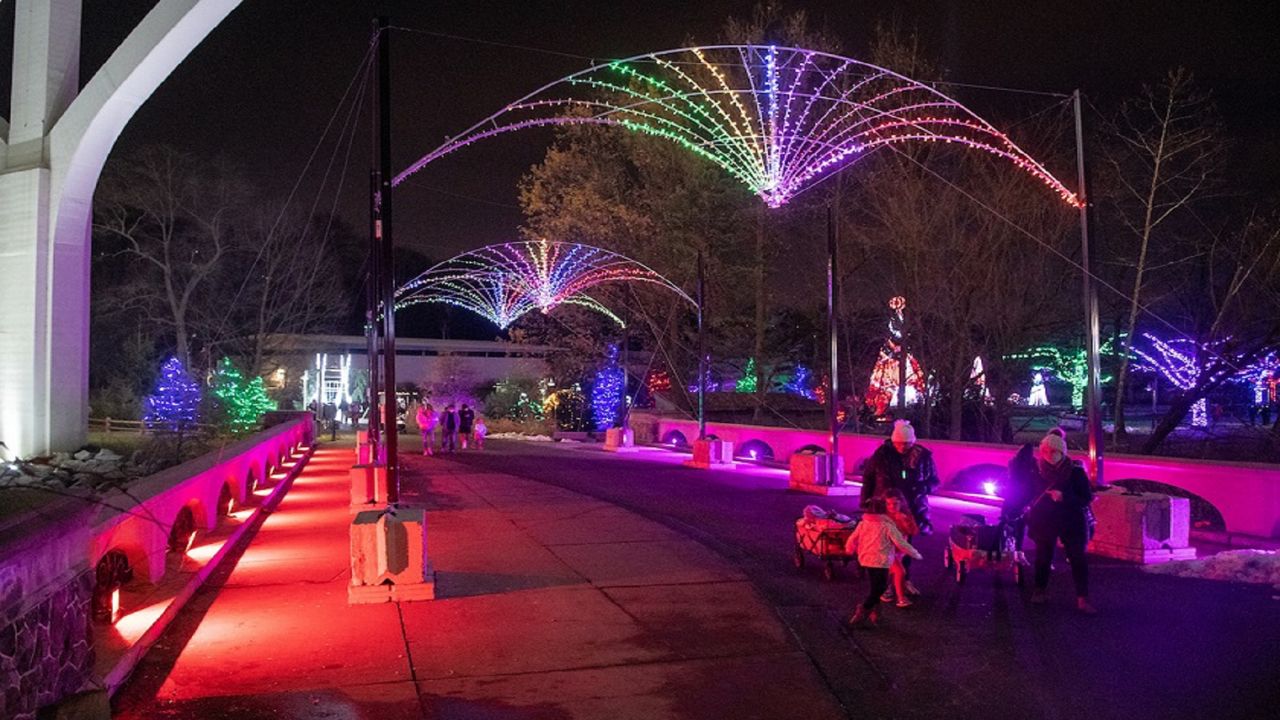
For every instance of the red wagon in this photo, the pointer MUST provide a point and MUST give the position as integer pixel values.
(823, 534)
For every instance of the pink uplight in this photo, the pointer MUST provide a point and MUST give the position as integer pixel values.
(205, 553)
(134, 624)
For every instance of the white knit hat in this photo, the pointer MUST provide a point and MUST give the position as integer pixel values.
(903, 432)
(1054, 440)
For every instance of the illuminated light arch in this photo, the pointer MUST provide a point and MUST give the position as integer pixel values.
(503, 282)
(778, 119)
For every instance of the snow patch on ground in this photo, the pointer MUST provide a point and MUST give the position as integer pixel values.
(1247, 566)
(519, 436)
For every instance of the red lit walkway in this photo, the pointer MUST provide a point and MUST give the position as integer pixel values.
(551, 605)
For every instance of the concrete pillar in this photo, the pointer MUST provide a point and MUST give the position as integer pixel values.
(46, 75)
(42, 377)
(51, 155)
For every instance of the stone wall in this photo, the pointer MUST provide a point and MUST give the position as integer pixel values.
(46, 650)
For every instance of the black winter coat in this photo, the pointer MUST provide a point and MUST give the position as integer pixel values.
(1047, 518)
(914, 473)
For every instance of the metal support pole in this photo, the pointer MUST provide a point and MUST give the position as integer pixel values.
(373, 293)
(1093, 386)
(389, 406)
(702, 349)
(626, 378)
(833, 376)
(904, 361)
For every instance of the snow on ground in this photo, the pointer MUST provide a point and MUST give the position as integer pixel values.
(1247, 566)
(519, 436)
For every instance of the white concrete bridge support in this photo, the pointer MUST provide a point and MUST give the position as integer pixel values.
(52, 150)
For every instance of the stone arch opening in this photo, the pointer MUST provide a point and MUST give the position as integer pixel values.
(1204, 514)
(755, 450)
(675, 438)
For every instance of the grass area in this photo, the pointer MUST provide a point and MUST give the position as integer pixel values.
(121, 443)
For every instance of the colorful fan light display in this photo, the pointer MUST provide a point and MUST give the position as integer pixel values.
(778, 119)
(503, 282)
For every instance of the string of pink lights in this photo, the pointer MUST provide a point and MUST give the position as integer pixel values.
(505, 281)
(778, 119)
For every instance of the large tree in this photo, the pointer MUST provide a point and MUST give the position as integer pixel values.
(174, 215)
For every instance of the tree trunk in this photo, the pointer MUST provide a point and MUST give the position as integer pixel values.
(1147, 227)
(1177, 411)
(180, 341)
(956, 429)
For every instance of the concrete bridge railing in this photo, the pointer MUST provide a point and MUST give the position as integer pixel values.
(50, 555)
(1246, 494)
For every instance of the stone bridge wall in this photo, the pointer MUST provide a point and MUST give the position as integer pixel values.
(1247, 494)
(48, 557)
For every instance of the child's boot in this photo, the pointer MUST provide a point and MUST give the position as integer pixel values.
(857, 617)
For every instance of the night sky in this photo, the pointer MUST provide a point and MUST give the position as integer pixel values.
(262, 86)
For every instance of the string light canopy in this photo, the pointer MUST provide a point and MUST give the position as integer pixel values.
(503, 282)
(778, 119)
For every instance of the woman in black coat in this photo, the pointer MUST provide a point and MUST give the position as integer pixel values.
(1058, 493)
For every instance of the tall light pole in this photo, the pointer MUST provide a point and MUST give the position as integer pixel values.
(389, 406)
(1093, 385)
(373, 292)
(833, 382)
(702, 349)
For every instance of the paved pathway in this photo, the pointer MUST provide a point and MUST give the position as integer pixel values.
(552, 605)
(1163, 647)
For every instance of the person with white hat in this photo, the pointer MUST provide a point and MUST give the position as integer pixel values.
(902, 464)
(1057, 492)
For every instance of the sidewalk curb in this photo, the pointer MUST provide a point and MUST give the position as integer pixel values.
(124, 667)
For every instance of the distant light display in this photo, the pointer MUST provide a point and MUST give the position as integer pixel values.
(1177, 361)
(503, 282)
(747, 383)
(1261, 376)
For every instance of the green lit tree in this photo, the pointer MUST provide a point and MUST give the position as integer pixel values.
(239, 403)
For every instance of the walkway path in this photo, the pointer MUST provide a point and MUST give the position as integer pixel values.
(552, 605)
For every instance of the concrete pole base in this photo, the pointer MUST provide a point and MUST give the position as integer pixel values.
(619, 440)
(389, 557)
(811, 473)
(709, 453)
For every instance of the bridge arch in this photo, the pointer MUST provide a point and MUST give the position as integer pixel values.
(52, 158)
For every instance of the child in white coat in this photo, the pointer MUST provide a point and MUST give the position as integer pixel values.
(876, 542)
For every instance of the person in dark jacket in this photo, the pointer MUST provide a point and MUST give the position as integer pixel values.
(901, 463)
(449, 429)
(466, 419)
(1055, 493)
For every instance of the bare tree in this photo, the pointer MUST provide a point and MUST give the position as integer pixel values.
(287, 282)
(1233, 309)
(1164, 153)
(176, 216)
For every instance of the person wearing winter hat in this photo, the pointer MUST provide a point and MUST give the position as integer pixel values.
(902, 464)
(1053, 493)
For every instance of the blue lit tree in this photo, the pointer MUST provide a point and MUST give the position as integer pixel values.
(606, 395)
(175, 404)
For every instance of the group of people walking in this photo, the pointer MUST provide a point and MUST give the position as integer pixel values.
(1048, 497)
(459, 427)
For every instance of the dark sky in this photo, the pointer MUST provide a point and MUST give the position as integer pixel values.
(262, 86)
